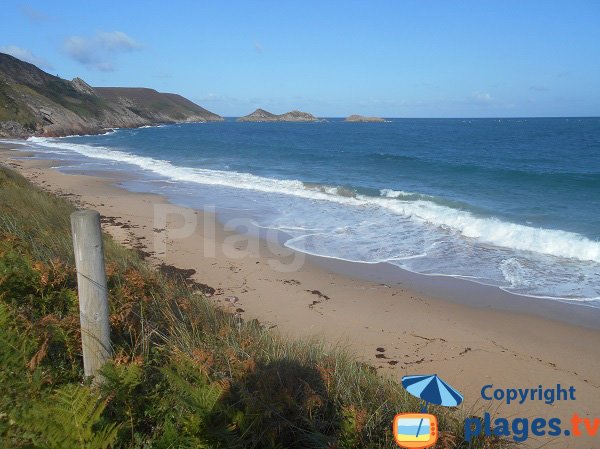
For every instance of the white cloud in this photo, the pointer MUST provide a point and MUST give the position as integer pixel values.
(25, 55)
(116, 41)
(481, 98)
(99, 51)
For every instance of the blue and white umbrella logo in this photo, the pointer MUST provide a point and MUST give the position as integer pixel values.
(432, 390)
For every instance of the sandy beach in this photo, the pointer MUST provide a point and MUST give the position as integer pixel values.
(470, 335)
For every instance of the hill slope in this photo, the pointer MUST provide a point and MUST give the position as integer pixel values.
(260, 115)
(33, 102)
(156, 106)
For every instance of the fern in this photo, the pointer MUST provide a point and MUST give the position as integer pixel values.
(191, 419)
(200, 397)
(121, 380)
(18, 385)
(15, 350)
(72, 420)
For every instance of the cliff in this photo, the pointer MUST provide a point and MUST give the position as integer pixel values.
(260, 115)
(155, 106)
(362, 118)
(33, 102)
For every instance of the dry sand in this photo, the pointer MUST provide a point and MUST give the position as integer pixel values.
(398, 330)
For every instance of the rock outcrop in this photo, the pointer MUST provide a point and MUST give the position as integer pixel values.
(33, 102)
(82, 86)
(260, 115)
(362, 118)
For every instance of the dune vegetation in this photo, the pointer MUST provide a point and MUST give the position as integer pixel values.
(185, 374)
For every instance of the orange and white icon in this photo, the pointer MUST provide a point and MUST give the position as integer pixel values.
(415, 430)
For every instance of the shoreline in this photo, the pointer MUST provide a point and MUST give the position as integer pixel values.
(468, 293)
(457, 290)
(443, 287)
(550, 257)
(438, 330)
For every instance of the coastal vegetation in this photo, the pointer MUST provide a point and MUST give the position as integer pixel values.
(184, 374)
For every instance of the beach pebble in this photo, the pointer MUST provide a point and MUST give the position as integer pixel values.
(232, 299)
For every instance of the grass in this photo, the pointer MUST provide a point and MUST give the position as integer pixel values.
(63, 93)
(12, 109)
(184, 373)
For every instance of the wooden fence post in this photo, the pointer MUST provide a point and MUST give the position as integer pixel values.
(91, 287)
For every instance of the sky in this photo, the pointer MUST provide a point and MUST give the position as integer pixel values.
(397, 58)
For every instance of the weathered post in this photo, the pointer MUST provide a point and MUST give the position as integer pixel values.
(91, 287)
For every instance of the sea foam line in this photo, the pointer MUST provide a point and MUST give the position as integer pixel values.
(488, 230)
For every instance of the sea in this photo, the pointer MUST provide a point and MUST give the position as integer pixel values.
(512, 203)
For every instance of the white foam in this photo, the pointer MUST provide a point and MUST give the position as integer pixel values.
(513, 272)
(483, 229)
(389, 193)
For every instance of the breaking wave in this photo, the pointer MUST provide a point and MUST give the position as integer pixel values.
(415, 206)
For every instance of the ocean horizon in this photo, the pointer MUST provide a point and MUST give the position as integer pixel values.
(507, 202)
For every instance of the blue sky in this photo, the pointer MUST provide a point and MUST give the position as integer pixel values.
(420, 58)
